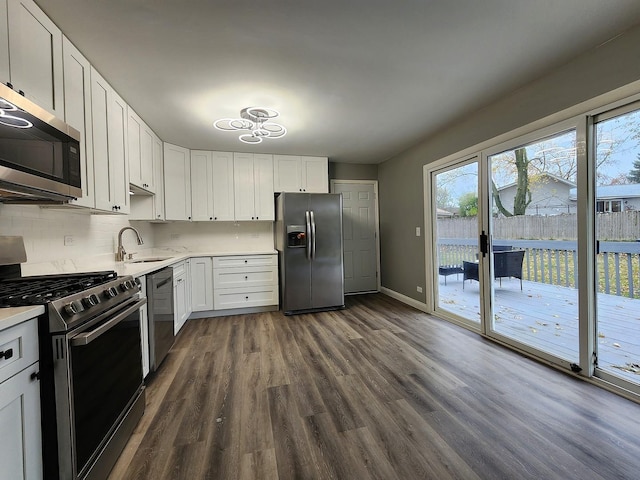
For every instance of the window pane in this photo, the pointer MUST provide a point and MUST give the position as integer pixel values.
(618, 231)
(534, 229)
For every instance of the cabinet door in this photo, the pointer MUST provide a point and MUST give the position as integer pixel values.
(263, 186)
(140, 151)
(180, 302)
(77, 108)
(177, 183)
(286, 173)
(244, 186)
(201, 194)
(222, 186)
(118, 164)
(146, 158)
(158, 177)
(201, 284)
(20, 442)
(315, 174)
(35, 53)
(100, 128)
(4, 44)
(134, 131)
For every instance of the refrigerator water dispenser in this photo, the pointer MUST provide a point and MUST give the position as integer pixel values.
(296, 236)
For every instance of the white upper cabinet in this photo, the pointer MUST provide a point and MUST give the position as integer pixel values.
(222, 186)
(286, 173)
(158, 177)
(77, 107)
(253, 186)
(315, 174)
(201, 192)
(34, 54)
(151, 207)
(177, 182)
(140, 140)
(212, 186)
(118, 161)
(109, 125)
(294, 173)
(4, 43)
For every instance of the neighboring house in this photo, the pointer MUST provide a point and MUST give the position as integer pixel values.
(614, 198)
(442, 213)
(549, 195)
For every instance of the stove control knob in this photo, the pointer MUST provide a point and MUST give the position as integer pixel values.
(127, 285)
(91, 300)
(110, 292)
(73, 308)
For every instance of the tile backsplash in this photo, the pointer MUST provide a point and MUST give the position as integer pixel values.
(55, 234)
(58, 234)
(215, 236)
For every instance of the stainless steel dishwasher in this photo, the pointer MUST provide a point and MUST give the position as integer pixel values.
(160, 313)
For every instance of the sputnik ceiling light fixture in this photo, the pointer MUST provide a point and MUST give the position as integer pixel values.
(256, 122)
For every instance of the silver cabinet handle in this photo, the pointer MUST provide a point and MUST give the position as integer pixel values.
(88, 337)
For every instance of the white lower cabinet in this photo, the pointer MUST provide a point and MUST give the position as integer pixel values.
(20, 442)
(242, 281)
(181, 295)
(201, 284)
(144, 326)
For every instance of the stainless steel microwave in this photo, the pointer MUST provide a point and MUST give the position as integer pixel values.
(39, 153)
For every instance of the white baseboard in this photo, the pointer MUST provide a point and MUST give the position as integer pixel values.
(404, 299)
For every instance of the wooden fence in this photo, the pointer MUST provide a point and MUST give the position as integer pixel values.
(621, 226)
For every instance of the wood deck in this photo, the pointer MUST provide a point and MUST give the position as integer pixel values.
(546, 317)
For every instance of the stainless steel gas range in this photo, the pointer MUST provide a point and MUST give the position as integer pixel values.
(91, 384)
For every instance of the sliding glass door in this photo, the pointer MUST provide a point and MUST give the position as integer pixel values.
(536, 243)
(533, 248)
(455, 245)
(617, 258)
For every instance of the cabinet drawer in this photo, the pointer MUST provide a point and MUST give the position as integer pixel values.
(20, 344)
(245, 297)
(245, 260)
(245, 277)
(178, 269)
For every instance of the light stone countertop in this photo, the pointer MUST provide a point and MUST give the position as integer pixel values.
(15, 315)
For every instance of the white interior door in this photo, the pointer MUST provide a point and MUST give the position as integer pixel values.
(360, 234)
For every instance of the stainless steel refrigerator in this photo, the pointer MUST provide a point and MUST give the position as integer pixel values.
(308, 237)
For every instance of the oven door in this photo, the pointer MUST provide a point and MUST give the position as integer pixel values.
(105, 373)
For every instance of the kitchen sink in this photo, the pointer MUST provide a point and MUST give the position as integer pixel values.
(149, 260)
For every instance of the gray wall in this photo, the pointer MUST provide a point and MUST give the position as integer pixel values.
(352, 171)
(599, 71)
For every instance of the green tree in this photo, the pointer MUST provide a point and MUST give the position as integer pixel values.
(468, 204)
(634, 174)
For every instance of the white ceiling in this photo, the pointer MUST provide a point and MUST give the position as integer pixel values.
(356, 80)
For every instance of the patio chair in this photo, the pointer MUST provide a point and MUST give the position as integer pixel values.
(506, 263)
(469, 272)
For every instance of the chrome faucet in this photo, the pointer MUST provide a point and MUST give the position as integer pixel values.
(120, 254)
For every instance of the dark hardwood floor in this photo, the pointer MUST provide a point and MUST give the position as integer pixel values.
(378, 390)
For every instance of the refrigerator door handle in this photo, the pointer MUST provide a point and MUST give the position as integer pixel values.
(309, 233)
(313, 235)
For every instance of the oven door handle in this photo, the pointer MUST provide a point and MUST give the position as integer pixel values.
(86, 338)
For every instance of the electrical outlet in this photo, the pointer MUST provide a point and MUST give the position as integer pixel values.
(417, 231)
(69, 240)
(419, 289)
